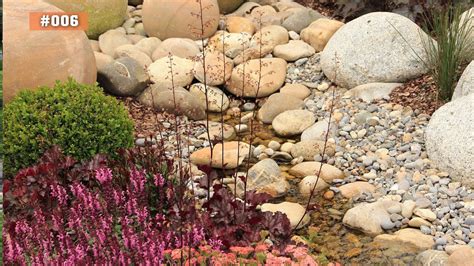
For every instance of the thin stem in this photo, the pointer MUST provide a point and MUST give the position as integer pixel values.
(326, 138)
(211, 146)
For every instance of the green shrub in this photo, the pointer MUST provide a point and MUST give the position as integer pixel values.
(78, 118)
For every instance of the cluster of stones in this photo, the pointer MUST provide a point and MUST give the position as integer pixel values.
(408, 172)
(287, 51)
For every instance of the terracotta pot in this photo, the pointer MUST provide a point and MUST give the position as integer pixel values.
(103, 15)
(180, 18)
(37, 58)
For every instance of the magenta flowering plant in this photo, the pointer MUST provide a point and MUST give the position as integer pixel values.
(130, 209)
(83, 223)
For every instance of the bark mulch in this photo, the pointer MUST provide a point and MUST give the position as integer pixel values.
(420, 93)
(147, 121)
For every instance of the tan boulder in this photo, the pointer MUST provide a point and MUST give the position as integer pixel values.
(167, 19)
(293, 211)
(406, 239)
(293, 122)
(232, 45)
(272, 36)
(308, 183)
(130, 50)
(328, 172)
(181, 47)
(244, 9)
(254, 52)
(240, 24)
(101, 60)
(215, 131)
(309, 148)
(462, 257)
(135, 38)
(264, 83)
(217, 100)
(356, 189)
(111, 40)
(148, 45)
(218, 69)
(160, 72)
(32, 59)
(318, 33)
(95, 45)
(299, 91)
(293, 50)
(179, 102)
(231, 150)
(276, 104)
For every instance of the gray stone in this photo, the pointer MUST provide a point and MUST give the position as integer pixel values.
(265, 176)
(377, 47)
(465, 84)
(318, 131)
(372, 91)
(123, 77)
(450, 138)
(301, 19)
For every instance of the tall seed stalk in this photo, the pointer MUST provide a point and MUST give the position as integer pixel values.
(323, 160)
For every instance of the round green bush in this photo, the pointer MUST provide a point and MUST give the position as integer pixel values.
(78, 118)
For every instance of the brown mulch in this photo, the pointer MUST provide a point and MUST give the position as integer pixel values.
(420, 93)
(147, 121)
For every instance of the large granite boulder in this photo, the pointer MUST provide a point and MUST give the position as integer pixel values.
(450, 138)
(377, 47)
(465, 84)
(102, 15)
(39, 58)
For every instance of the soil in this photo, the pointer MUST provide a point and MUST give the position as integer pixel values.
(420, 93)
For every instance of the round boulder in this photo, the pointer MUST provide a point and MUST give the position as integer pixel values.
(450, 138)
(263, 83)
(293, 122)
(465, 84)
(171, 71)
(377, 47)
(180, 102)
(123, 77)
(227, 6)
(102, 15)
(166, 19)
(218, 69)
(32, 59)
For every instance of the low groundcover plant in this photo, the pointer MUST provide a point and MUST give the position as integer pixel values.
(132, 210)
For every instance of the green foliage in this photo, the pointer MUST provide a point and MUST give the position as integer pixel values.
(452, 47)
(78, 118)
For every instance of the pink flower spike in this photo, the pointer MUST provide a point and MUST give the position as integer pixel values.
(103, 175)
(159, 180)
